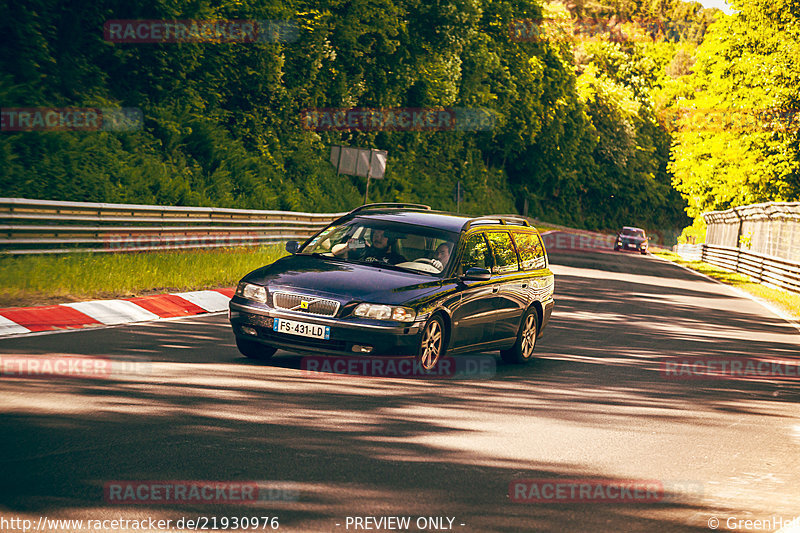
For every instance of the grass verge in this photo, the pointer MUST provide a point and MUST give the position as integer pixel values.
(787, 301)
(50, 279)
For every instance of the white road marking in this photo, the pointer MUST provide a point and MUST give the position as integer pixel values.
(110, 312)
(9, 327)
(211, 301)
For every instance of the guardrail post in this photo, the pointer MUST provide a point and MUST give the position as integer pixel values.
(738, 237)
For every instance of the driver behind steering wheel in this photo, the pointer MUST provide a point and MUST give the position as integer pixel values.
(440, 257)
(443, 252)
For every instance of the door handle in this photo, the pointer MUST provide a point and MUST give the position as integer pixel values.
(524, 285)
(495, 289)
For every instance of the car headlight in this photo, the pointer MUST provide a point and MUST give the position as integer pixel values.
(385, 312)
(252, 292)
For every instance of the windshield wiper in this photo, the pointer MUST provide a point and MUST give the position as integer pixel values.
(319, 254)
(389, 265)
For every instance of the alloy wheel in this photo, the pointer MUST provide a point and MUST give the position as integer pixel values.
(431, 347)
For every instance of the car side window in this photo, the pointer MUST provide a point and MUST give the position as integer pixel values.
(504, 253)
(531, 251)
(476, 254)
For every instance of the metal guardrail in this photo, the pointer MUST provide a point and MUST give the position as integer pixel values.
(772, 270)
(763, 269)
(769, 229)
(689, 252)
(760, 240)
(46, 226)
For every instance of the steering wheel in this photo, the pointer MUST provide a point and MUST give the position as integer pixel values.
(435, 263)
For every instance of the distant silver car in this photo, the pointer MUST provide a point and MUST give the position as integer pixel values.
(632, 239)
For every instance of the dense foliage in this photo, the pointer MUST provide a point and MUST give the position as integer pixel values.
(577, 137)
(747, 79)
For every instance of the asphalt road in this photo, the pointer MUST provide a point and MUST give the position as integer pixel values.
(595, 405)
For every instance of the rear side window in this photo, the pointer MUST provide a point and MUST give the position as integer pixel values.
(504, 254)
(476, 254)
(531, 251)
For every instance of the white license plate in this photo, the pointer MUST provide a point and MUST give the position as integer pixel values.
(302, 329)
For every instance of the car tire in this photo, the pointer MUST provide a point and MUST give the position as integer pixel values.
(644, 252)
(432, 344)
(255, 350)
(616, 248)
(522, 351)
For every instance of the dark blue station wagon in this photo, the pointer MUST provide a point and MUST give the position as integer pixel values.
(401, 280)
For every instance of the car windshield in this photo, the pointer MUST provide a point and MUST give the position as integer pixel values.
(633, 232)
(380, 242)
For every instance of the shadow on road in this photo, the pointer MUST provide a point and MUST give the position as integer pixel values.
(389, 446)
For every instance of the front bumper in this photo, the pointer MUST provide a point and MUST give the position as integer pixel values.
(631, 246)
(347, 336)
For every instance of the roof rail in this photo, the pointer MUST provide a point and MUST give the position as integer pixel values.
(388, 204)
(503, 220)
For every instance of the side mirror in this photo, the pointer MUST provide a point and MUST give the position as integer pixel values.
(292, 247)
(477, 274)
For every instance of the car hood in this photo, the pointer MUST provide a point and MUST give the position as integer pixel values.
(343, 281)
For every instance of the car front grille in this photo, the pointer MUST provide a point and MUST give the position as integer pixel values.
(313, 305)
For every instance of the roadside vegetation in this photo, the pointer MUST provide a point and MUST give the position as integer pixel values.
(51, 279)
(735, 112)
(595, 116)
(788, 302)
(575, 134)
